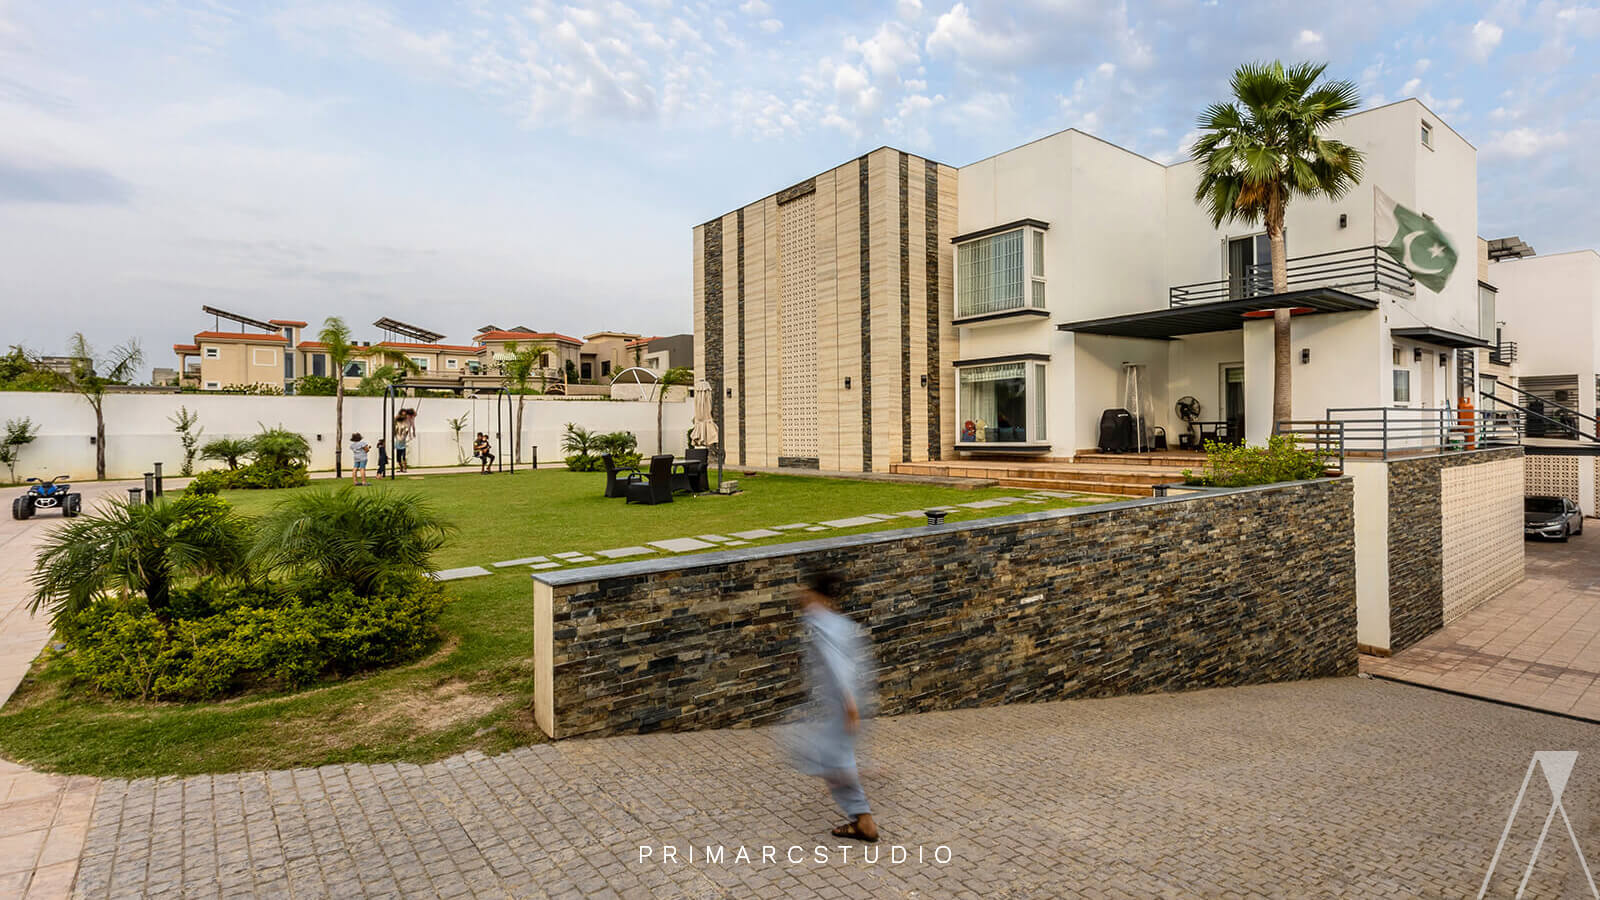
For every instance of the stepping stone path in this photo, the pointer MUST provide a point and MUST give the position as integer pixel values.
(756, 534)
(525, 561)
(816, 528)
(851, 522)
(738, 543)
(793, 527)
(682, 545)
(546, 565)
(456, 574)
(566, 555)
(620, 552)
(714, 538)
(985, 504)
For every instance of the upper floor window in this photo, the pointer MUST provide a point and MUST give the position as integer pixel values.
(355, 368)
(421, 362)
(450, 363)
(1427, 135)
(1000, 272)
(212, 352)
(1486, 320)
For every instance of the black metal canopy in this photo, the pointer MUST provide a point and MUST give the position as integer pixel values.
(1439, 336)
(1224, 315)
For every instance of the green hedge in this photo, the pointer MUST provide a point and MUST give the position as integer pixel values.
(252, 477)
(1238, 465)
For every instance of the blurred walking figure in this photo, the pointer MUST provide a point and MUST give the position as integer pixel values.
(840, 673)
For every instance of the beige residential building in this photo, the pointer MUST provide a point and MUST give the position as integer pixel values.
(221, 360)
(823, 317)
(497, 343)
(604, 354)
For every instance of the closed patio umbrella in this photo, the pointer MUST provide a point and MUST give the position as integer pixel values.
(704, 431)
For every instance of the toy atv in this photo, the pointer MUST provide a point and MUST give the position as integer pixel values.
(53, 494)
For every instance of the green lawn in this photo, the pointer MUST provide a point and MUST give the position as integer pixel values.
(476, 690)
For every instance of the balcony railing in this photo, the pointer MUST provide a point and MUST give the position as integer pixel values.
(1503, 353)
(1359, 270)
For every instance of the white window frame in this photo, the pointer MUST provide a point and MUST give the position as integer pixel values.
(213, 385)
(452, 363)
(1036, 373)
(211, 352)
(1031, 293)
(421, 362)
(1425, 134)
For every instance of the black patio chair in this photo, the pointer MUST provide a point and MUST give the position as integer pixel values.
(654, 488)
(693, 477)
(614, 486)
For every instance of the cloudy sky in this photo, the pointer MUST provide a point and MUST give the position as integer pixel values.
(505, 161)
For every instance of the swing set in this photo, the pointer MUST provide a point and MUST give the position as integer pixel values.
(498, 401)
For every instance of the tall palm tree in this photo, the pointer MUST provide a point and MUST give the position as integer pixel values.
(677, 376)
(342, 350)
(1263, 149)
(90, 378)
(516, 373)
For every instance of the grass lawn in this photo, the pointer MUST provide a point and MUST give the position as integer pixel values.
(476, 690)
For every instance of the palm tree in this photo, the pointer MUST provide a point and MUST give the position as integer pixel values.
(1263, 149)
(676, 376)
(516, 373)
(369, 541)
(134, 548)
(342, 351)
(226, 450)
(90, 378)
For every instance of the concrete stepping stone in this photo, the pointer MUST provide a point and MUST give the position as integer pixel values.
(756, 534)
(581, 559)
(1055, 495)
(1032, 500)
(881, 516)
(525, 561)
(851, 522)
(565, 555)
(817, 528)
(796, 526)
(547, 565)
(983, 504)
(457, 574)
(912, 514)
(714, 538)
(682, 545)
(619, 552)
(738, 544)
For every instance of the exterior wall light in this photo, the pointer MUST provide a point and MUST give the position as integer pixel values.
(924, 380)
(1305, 355)
(730, 393)
(1416, 354)
(847, 382)
(1444, 359)
(1344, 220)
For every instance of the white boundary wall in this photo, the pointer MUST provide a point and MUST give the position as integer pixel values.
(139, 430)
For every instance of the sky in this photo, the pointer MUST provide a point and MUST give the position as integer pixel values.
(459, 164)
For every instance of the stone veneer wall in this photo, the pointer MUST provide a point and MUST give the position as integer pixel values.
(1144, 595)
(1416, 541)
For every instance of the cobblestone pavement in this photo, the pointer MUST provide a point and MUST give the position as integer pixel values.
(1537, 644)
(1335, 788)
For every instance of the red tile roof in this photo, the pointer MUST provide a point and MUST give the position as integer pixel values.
(643, 342)
(186, 348)
(446, 348)
(286, 322)
(524, 336)
(311, 345)
(241, 336)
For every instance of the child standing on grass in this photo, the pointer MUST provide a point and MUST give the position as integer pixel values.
(358, 460)
(383, 458)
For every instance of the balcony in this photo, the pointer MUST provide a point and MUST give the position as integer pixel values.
(1359, 270)
(1503, 353)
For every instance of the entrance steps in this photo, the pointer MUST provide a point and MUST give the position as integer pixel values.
(1114, 474)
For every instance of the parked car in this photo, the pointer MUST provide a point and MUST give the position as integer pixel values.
(1551, 517)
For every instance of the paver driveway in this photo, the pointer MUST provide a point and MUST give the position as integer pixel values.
(1336, 788)
(1537, 644)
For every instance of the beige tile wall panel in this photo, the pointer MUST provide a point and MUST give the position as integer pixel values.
(1483, 545)
(883, 210)
(773, 351)
(827, 322)
(847, 216)
(917, 231)
(755, 341)
(730, 330)
(797, 257)
(699, 241)
(949, 345)
(1554, 476)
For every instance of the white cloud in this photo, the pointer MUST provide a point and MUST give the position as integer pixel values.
(1410, 88)
(1521, 143)
(756, 8)
(956, 34)
(1484, 38)
(909, 10)
(1308, 40)
(770, 26)
(889, 49)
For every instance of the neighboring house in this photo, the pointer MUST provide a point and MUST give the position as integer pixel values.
(235, 359)
(604, 354)
(658, 354)
(164, 376)
(496, 343)
(895, 309)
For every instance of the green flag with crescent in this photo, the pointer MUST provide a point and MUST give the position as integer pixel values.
(1415, 241)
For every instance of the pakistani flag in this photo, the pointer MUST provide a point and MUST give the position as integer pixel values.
(1414, 241)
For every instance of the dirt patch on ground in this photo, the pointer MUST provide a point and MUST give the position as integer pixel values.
(437, 708)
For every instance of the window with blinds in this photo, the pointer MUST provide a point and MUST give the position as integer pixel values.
(990, 274)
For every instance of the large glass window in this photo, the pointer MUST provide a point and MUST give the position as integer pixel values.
(1486, 329)
(990, 274)
(1001, 403)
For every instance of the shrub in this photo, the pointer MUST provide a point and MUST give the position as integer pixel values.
(1230, 465)
(315, 386)
(370, 541)
(252, 477)
(226, 450)
(280, 448)
(584, 448)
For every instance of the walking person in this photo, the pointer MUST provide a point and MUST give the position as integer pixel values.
(399, 452)
(840, 672)
(480, 449)
(358, 460)
(383, 458)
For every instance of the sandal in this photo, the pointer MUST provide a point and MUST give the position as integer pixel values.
(853, 832)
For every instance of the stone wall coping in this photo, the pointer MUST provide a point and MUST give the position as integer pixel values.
(772, 551)
(1443, 454)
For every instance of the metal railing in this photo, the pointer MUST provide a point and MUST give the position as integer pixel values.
(1359, 270)
(1503, 353)
(1387, 432)
(1563, 425)
(1323, 437)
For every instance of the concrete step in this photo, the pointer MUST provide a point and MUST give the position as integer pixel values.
(1178, 460)
(1082, 487)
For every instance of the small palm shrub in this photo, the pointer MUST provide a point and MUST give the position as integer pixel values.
(280, 448)
(226, 450)
(585, 448)
(1230, 465)
(369, 541)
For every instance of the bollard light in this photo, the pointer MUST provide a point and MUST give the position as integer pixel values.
(936, 516)
(160, 489)
(149, 487)
(133, 494)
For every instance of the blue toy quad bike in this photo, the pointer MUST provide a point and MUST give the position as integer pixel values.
(53, 494)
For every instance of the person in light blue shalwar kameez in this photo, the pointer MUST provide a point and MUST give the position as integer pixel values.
(839, 670)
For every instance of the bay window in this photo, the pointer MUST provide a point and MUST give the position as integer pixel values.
(1002, 271)
(1001, 402)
